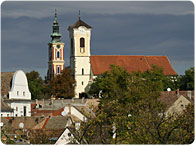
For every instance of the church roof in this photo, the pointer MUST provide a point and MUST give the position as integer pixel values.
(101, 63)
(78, 24)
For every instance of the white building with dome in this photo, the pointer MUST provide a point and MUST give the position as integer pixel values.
(19, 99)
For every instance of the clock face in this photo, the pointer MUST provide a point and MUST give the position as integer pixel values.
(58, 46)
(81, 30)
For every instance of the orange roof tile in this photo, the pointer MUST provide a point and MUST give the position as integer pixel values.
(58, 112)
(101, 63)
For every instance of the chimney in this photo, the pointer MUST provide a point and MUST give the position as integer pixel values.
(69, 108)
(188, 94)
(36, 102)
(177, 92)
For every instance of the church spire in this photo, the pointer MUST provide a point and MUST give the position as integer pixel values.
(79, 15)
(55, 35)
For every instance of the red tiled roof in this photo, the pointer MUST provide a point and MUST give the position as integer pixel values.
(45, 123)
(101, 63)
(58, 112)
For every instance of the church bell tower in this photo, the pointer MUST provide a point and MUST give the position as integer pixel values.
(80, 36)
(55, 51)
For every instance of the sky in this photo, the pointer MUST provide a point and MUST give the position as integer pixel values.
(163, 28)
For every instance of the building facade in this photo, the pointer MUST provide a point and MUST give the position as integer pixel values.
(80, 36)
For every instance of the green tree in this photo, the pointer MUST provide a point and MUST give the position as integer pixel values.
(186, 82)
(35, 83)
(63, 85)
(130, 112)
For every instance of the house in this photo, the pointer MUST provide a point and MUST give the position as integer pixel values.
(6, 111)
(176, 102)
(19, 97)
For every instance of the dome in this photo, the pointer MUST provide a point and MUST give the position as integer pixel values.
(19, 78)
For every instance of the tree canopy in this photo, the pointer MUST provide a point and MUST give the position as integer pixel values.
(186, 82)
(130, 112)
(63, 85)
(35, 83)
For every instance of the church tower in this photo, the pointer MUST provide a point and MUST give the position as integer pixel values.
(80, 36)
(55, 51)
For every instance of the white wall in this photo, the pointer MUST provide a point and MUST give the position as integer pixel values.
(7, 114)
(20, 111)
(75, 112)
(65, 138)
(19, 89)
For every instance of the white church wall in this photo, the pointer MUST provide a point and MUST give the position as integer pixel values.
(20, 96)
(19, 88)
(19, 109)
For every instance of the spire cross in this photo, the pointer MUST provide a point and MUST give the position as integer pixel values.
(55, 13)
(79, 15)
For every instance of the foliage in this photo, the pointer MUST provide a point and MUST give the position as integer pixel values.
(40, 137)
(35, 83)
(186, 82)
(63, 85)
(5, 138)
(130, 112)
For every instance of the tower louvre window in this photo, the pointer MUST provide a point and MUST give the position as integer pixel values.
(58, 70)
(82, 42)
(58, 54)
(82, 71)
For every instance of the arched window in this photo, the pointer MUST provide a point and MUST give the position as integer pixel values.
(82, 71)
(82, 43)
(58, 70)
(58, 54)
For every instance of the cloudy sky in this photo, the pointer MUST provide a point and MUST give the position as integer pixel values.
(119, 28)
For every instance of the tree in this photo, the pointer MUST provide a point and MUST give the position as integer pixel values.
(186, 82)
(130, 112)
(35, 83)
(63, 85)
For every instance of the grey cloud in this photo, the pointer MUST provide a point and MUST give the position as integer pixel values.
(44, 9)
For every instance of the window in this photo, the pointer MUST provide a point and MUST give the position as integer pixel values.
(23, 93)
(17, 93)
(58, 70)
(16, 108)
(82, 71)
(16, 115)
(82, 43)
(7, 115)
(58, 54)
(82, 82)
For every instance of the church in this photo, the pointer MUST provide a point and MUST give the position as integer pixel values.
(85, 67)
